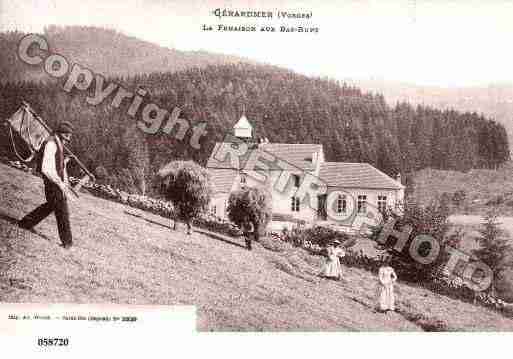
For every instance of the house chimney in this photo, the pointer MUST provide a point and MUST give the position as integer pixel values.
(398, 177)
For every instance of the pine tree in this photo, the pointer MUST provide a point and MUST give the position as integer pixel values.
(494, 247)
(138, 156)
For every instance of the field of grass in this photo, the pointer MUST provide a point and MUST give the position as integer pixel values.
(127, 256)
(484, 189)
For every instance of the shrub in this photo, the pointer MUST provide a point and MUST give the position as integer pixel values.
(429, 220)
(251, 205)
(496, 201)
(188, 189)
(317, 235)
(454, 239)
(124, 180)
(410, 185)
(445, 199)
(274, 244)
(359, 260)
(458, 197)
(214, 224)
(509, 202)
(503, 281)
(101, 174)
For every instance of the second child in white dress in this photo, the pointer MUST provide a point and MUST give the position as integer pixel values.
(332, 269)
(387, 278)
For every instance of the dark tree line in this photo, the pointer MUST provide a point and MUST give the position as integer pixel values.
(283, 106)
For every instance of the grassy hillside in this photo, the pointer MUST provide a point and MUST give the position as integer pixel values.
(123, 255)
(483, 188)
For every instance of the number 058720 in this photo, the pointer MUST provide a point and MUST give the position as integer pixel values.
(55, 342)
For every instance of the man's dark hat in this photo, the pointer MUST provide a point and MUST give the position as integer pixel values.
(65, 127)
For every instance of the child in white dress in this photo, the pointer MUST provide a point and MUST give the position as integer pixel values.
(387, 278)
(332, 269)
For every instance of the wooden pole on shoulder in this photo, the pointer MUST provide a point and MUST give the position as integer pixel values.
(67, 150)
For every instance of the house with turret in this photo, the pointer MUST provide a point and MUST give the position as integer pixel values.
(305, 188)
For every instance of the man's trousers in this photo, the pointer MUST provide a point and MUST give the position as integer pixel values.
(55, 202)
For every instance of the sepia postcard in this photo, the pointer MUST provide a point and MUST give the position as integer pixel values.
(177, 171)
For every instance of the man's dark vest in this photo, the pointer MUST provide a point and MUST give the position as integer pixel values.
(59, 157)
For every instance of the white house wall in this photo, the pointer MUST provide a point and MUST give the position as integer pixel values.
(281, 200)
(352, 218)
(220, 202)
(372, 194)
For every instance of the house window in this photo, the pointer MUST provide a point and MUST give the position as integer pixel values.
(341, 204)
(382, 203)
(362, 203)
(296, 179)
(295, 204)
(213, 210)
(243, 179)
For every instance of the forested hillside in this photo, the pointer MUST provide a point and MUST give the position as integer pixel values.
(494, 100)
(282, 105)
(105, 51)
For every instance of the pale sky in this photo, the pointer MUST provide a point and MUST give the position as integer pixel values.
(442, 43)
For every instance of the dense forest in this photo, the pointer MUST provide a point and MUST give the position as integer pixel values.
(282, 105)
(494, 100)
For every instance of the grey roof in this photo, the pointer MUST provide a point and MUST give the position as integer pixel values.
(356, 175)
(297, 156)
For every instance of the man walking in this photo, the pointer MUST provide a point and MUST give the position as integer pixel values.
(248, 230)
(53, 168)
